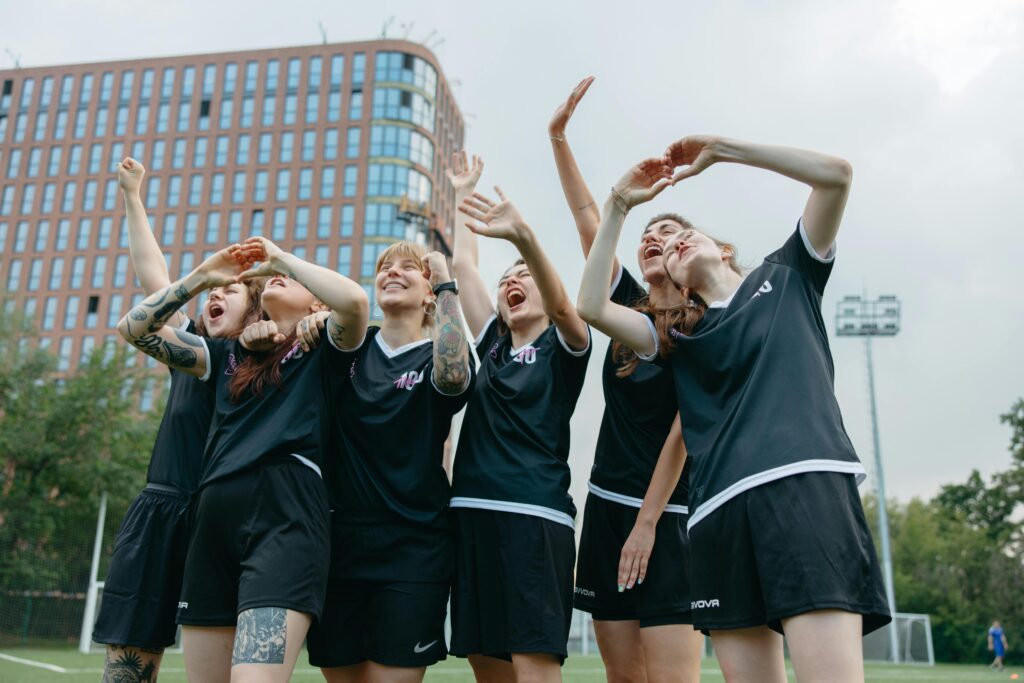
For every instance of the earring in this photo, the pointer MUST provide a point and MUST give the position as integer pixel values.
(430, 308)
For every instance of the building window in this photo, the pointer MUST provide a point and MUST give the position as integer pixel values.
(174, 191)
(77, 272)
(234, 226)
(110, 195)
(403, 105)
(178, 153)
(153, 191)
(285, 153)
(248, 106)
(331, 144)
(217, 188)
(227, 108)
(220, 151)
(290, 109)
(195, 190)
(191, 228)
(49, 195)
(352, 143)
(53, 165)
(28, 198)
(280, 225)
(349, 188)
(345, 260)
(68, 202)
(256, 224)
(103, 236)
(114, 310)
(120, 270)
(71, 313)
(184, 114)
(355, 105)
(308, 145)
(337, 70)
(323, 222)
(84, 228)
(230, 78)
(312, 107)
(301, 223)
(305, 183)
(159, 150)
(170, 226)
(146, 87)
(294, 72)
(284, 177)
(327, 181)
(238, 188)
(34, 158)
(272, 73)
(348, 216)
(242, 149)
(252, 72)
(199, 152)
(390, 180)
(358, 67)
(56, 274)
(64, 356)
(259, 188)
(381, 221)
(141, 119)
(333, 106)
(403, 143)
(212, 227)
(63, 235)
(99, 270)
(265, 149)
(81, 122)
(35, 274)
(269, 102)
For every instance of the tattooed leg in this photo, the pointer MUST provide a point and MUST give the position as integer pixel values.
(131, 664)
(267, 644)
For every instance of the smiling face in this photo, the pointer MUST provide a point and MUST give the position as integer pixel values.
(401, 285)
(287, 298)
(226, 310)
(519, 303)
(690, 256)
(650, 253)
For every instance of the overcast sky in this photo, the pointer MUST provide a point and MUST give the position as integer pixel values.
(924, 97)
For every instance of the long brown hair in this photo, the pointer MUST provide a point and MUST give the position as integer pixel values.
(259, 371)
(669, 321)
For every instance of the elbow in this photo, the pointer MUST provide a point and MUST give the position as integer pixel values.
(841, 172)
(124, 328)
(589, 309)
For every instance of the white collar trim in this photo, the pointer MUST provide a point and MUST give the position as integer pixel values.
(391, 353)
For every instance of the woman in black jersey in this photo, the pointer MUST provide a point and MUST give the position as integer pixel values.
(775, 518)
(392, 555)
(257, 561)
(638, 489)
(140, 594)
(512, 598)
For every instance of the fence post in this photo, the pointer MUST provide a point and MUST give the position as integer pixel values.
(89, 618)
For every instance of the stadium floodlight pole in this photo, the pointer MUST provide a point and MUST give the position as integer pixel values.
(860, 317)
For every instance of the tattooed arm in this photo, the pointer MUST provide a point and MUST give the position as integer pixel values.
(451, 348)
(350, 307)
(145, 324)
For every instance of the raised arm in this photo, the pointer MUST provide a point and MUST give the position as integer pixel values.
(829, 177)
(451, 348)
(641, 183)
(577, 195)
(350, 307)
(503, 220)
(147, 259)
(475, 298)
(636, 551)
(145, 325)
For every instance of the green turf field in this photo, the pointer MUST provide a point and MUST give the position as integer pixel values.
(70, 666)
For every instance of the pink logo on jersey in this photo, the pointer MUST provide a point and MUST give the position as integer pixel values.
(296, 352)
(493, 353)
(527, 356)
(232, 365)
(352, 369)
(408, 380)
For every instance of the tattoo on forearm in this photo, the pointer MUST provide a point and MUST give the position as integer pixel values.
(451, 350)
(336, 330)
(166, 352)
(260, 636)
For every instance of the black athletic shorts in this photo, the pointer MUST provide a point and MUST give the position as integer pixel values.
(664, 596)
(784, 548)
(513, 584)
(140, 593)
(260, 539)
(395, 623)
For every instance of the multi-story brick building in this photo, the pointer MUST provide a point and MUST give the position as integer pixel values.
(333, 151)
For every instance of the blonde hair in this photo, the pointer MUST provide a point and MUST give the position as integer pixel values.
(406, 250)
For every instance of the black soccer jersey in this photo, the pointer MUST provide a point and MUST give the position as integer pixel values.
(390, 424)
(755, 383)
(514, 443)
(177, 458)
(292, 419)
(638, 414)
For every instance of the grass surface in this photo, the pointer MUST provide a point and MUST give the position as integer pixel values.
(70, 666)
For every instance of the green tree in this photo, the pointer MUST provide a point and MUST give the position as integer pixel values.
(64, 439)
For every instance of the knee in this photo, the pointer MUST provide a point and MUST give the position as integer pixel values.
(624, 673)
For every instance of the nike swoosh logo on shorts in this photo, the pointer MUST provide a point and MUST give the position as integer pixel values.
(420, 650)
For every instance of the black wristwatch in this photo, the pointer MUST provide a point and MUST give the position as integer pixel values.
(452, 285)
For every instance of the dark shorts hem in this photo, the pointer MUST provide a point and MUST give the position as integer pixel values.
(667, 618)
(129, 642)
(873, 619)
(683, 618)
(293, 606)
(384, 661)
(208, 621)
(507, 656)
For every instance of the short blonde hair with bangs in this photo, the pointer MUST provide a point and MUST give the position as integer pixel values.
(406, 250)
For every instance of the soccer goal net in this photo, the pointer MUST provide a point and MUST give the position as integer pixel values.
(913, 636)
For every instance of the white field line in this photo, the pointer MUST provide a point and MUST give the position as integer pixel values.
(32, 662)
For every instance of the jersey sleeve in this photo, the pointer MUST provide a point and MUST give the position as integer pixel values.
(626, 291)
(488, 335)
(573, 365)
(798, 254)
(222, 358)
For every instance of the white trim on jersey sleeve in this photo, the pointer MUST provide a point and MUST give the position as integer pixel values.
(565, 344)
(185, 323)
(716, 501)
(483, 330)
(330, 340)
(616, 280)
(630, 501)
(517, 508)
(657, 342)
(309, 463)
(209, 364)
(810, 248)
